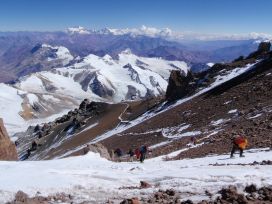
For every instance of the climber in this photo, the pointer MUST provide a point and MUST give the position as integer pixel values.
(143, 151)
(25, 156)
(118, 152)
(239, 143)
(193, 140)
(16, 143)
(34, 146)
(137, 153)
(131, 155)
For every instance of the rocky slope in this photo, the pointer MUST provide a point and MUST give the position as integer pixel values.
(251, 194)
(239, 105)
(69, 134)
(7, 148)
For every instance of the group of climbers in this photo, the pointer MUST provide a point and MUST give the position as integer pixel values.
(139, 153)
(239, 142)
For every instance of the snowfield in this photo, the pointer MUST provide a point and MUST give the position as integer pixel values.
(93, 178)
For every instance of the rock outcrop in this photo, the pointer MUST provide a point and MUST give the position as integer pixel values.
(22, 198)
(7, 148)
(179, 85)
(97, 148)
(263, 49)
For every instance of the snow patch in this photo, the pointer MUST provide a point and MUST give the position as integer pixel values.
(191, 133)
(218, 122)
(255, 116)
(210, 64)
(233, 111)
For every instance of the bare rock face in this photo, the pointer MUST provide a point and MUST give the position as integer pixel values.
(179, 85)
(263, 49)
(7, 148)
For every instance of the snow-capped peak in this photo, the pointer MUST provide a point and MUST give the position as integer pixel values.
(126, 52)
(144, 30)
(151, 31)
(77, 30)
(62, 53)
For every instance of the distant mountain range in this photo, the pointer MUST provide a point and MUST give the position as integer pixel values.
(169, 34)
(19, 55)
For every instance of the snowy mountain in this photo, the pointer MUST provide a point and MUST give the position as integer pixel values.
(77, 30)
(58, 53)
(47, 93)
(21, 53)
(38, 58)
(167, 33)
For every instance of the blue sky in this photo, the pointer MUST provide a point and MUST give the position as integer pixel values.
(204, 16)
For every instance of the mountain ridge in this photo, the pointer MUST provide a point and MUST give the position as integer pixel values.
(46, 93)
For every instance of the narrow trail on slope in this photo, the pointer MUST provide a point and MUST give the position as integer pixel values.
(120, 116)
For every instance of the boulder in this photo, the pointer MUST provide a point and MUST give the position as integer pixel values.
(20, 196)
(131, 201)
(251, 188)
(97, 148)
(144, 184)
(7, 148)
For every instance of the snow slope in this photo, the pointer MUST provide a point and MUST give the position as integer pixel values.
(10, 107)
(93, 178)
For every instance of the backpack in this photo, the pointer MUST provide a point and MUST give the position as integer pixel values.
(241, 142)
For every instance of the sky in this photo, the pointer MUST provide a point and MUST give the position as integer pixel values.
(202, 16)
